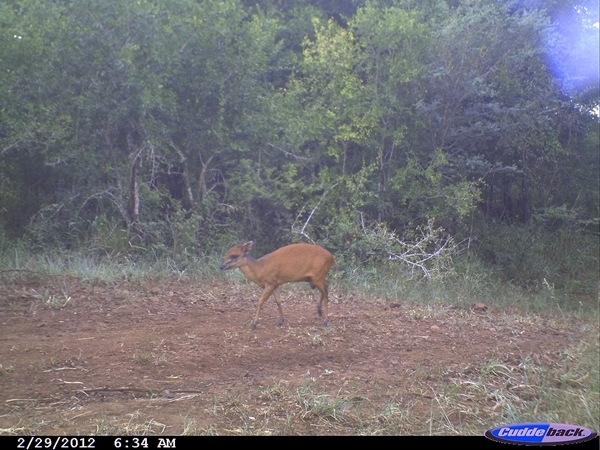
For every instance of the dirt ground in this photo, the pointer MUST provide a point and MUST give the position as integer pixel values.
(179, 357)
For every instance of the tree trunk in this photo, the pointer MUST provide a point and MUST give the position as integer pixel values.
(525, 201)
(118, 199)
(134, 192)
(188, 195)
(489, 198)
(506, 198)
(133, 207)
(202, 179)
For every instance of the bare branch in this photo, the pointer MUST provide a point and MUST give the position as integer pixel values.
(431, 253)
(302, 158)
(301, 232)
(4, 150)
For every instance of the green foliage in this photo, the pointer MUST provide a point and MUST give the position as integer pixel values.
(563, 262)
(171, 129)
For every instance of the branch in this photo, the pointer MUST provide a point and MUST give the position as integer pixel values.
(4, 150)
(303, 158)
(431, 253)
(311, 214)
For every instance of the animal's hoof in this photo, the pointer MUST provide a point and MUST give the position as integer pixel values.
(281, 322)
(320, 311)
(326, 323)
(253, 326)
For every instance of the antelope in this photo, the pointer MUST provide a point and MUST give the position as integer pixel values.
(295, 262)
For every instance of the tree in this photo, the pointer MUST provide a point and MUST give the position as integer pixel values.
(490, 106)
(127, 99)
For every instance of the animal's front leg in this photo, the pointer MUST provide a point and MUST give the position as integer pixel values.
(266, 294)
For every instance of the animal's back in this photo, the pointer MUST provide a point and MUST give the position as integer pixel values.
(300, 262)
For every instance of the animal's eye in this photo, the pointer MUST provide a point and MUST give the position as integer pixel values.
(234, 257)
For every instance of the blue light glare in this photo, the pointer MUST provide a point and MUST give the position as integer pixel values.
(573, 44)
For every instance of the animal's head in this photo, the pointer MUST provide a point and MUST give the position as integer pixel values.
(236, 256)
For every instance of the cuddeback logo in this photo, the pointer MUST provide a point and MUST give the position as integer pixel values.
(540, 434)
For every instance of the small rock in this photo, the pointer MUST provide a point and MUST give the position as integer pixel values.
(480, 307)
(435, 328)
(169, 394)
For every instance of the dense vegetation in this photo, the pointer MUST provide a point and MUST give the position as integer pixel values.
(398, 130)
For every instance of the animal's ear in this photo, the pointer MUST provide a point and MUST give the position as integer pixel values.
(246, 247)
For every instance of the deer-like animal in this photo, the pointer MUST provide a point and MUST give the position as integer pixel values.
(295, 262)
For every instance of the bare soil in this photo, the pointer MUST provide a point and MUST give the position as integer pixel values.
(178, 357)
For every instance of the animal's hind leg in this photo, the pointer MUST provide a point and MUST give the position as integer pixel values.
(323, 303)
(277, 295)
(320, 305)
(312, 287)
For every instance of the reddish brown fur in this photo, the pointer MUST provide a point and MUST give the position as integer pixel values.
(295, 262)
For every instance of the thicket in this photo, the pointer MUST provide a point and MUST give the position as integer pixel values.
(392, 132)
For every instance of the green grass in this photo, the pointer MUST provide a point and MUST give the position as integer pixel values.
(18, 263)
(550, 272)
(322, 406)
(467, 283)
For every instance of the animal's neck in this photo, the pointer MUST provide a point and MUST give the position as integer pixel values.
(252, 269)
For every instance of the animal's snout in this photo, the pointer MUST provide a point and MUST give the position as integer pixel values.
(225, 265)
